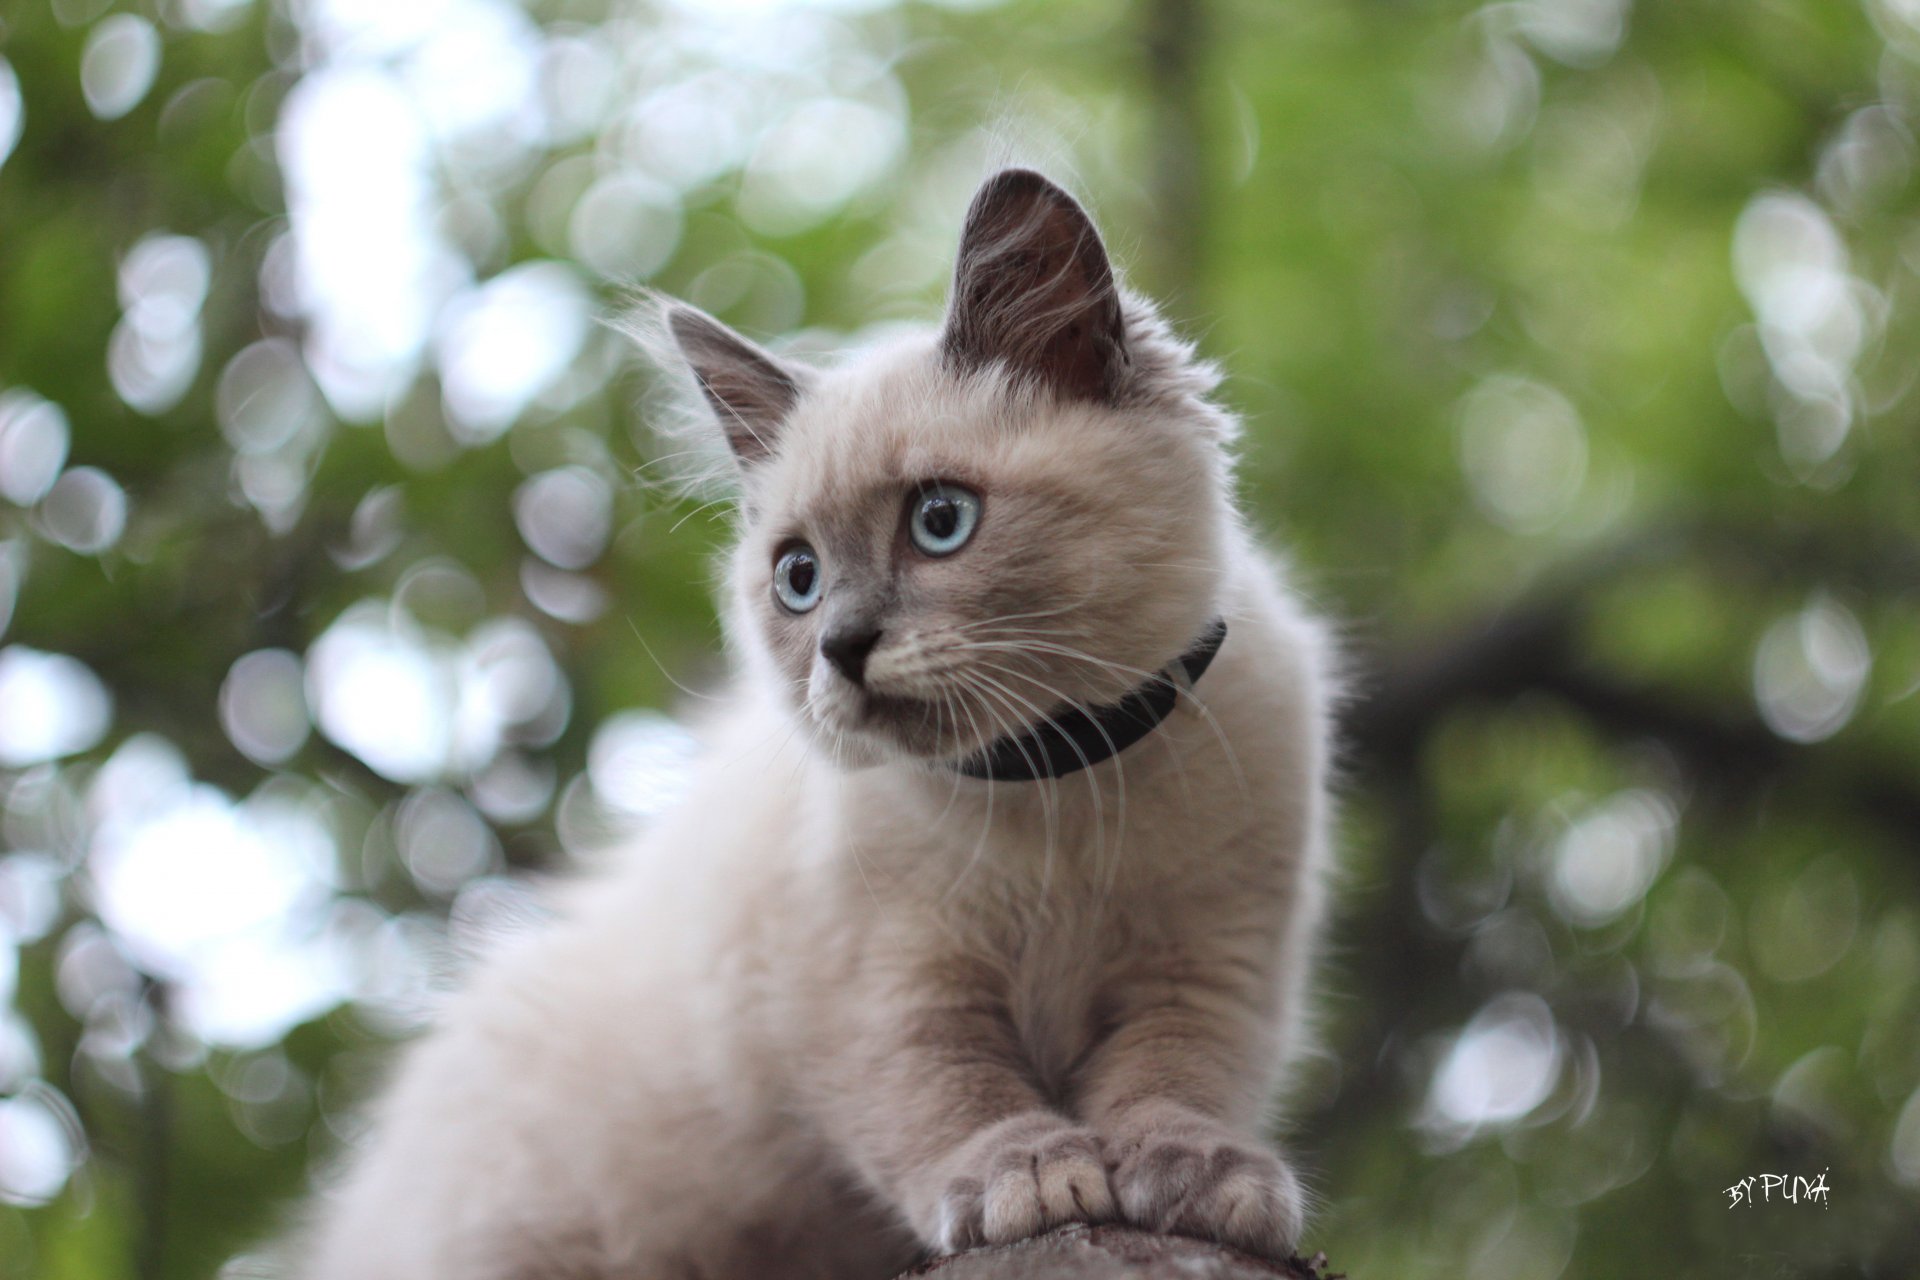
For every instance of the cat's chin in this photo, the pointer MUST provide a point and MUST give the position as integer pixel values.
(865, 731)
(855, 752)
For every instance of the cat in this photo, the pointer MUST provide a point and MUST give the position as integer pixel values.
(993, 903)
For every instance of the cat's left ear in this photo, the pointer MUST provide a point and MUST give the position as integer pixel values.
(749, 391)
(1033, 290)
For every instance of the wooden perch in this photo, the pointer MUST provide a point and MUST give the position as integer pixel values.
(1081, 1252)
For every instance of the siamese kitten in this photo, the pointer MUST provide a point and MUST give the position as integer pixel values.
(992, 905)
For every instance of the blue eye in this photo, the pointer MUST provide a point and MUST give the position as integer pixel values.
(797, 579)
(944, 516)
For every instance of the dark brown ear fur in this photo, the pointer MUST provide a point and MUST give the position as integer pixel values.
(1033, 289)
(749, 391)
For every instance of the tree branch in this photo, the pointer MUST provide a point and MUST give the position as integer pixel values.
(1532, 645)
(1174, 42)
(1116, 1253)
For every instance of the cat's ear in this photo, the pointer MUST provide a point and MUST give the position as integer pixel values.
(1033, 289)
(749, 391)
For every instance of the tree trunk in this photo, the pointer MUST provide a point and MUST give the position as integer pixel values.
(1116, 1253)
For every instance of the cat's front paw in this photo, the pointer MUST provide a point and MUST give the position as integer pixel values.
(1017, 1179)
(1192, 1177)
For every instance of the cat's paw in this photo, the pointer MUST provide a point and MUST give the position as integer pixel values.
(1017, 1179)
(1195, 1178)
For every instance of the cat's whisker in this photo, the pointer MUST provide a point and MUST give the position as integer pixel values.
(796, 689)
(1192, 566)
(1119, 757)
(859, 861)
(1049, 797)
(1086, 767)
(986, 822)
(950, 700)
(1050, 803)
(691, 693)
(997, 619)
(715, 502)
(1080, 655)
(639, 476)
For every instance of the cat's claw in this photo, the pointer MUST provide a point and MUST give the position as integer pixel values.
(1020, 1178)
(1200, 1181)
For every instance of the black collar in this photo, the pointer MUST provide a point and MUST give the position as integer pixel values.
(1073, 740)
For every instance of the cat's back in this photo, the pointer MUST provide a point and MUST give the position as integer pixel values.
(581, 1062)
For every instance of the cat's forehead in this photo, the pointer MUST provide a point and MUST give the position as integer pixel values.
(895, 417)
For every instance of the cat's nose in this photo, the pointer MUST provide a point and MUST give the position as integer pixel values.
(847, 650)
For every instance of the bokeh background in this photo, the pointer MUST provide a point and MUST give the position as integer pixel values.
(1577, 341)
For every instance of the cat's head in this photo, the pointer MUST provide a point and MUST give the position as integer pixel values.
(951, 536)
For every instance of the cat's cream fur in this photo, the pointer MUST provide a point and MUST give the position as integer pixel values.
(845, 1005)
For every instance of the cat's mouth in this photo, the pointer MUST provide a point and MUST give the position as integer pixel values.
(901, 724)
(918, 726)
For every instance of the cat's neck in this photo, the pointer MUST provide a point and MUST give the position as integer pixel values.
(1191, 739)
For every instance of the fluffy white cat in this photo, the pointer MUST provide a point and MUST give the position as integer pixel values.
(993, 902)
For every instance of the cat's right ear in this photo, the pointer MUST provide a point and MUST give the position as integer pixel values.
(1033, 291)
(749, 391)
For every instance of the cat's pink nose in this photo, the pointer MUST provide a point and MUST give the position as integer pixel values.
(847, 650)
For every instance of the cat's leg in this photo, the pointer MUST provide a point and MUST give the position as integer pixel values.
(1177, 1091)
(935, 1104)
